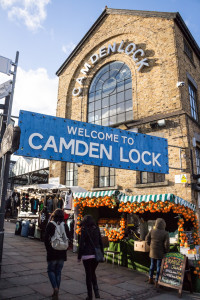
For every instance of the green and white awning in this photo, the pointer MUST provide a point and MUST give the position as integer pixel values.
(96, 194)
(157, 197)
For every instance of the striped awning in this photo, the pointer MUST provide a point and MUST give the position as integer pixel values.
(157, 197)
(96, 194)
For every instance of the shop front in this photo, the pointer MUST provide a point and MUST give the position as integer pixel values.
(125, 220)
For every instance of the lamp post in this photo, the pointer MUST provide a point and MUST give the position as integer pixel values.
(5, 67)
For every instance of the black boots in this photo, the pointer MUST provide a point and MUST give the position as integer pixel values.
(96, 291)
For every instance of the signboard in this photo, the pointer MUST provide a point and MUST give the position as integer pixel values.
(5, 88)
(181, 178)
(54, 180)
(5, 65)
(7, 140)
(172, 271)
(61, 139)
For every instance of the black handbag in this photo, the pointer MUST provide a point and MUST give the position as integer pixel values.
(98, 253)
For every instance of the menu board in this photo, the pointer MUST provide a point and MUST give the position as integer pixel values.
(172, 270)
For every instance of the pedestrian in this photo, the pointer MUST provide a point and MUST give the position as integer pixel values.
(158, 240)
(55, 258)
(90, 238)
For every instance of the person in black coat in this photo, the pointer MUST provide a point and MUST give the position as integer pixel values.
(86, 252)
(55, 258)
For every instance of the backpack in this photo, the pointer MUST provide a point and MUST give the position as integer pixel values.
(59, 241)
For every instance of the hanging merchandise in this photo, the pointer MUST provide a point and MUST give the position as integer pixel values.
(34, 205)
(68, 200)
(60, 203)
(25, 227)
(49, 204)
(31, 230)
(18, 227)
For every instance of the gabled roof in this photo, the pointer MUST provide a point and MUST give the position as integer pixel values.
(110, 11)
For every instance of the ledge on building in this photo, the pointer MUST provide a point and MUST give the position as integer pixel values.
(154, 184)
(106, 188)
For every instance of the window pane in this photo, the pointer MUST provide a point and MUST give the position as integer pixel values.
(91, 107)
(128, 84)
(97, 115)
(113, 120)
(97, 104)
(91, 118)
(113, 99)
(120, 97)
(105, 122)
(159, 177)
(143, 177)
(129, 115)
(120, 118)
(113, 110)
(91, 97)
(128, 94)
(128, 105)
(120, 86)
(105, 102)
(120, 108)
(105, 112)
(193, 101)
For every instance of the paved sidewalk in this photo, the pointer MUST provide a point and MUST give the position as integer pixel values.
(24, 276)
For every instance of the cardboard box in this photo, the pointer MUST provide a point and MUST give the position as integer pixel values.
(141, 246)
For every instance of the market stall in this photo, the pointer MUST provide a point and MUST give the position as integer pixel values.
(123, 228)
(37, 202)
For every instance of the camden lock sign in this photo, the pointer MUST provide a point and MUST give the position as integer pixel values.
(128, 49)
(61, 139)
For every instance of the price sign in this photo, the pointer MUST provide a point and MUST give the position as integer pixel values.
(172, 271)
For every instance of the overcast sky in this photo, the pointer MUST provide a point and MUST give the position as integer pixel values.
(46, 31)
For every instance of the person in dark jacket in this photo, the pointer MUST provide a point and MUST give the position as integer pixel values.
(86, 252)
(158, 240)
(55, 258)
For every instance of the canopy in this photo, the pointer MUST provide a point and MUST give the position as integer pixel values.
(96, 194)
(157, 197)
(50, 186)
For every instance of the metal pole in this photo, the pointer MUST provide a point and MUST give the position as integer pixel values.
(5, 166)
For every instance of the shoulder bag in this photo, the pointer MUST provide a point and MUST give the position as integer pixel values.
(98, 253)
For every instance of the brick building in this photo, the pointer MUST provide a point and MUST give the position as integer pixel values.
(138, 71)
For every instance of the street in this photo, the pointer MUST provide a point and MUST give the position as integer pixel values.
(24, 276)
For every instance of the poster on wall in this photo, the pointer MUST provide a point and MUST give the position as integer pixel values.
(73, 141)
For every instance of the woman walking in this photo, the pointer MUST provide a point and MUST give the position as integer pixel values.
(55, 258)
(90, 238)
(158, 240)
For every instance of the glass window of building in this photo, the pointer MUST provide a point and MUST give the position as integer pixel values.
(188, 50)
(110, 95)
(149, 177)
(193, 101)
(198, 160)
(71, 174)
(106, 177)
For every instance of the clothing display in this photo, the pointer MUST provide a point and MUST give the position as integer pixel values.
(49, 204)
(34, 205)
(25, 227)
(18, 227)
(68, 200)
(35, 211)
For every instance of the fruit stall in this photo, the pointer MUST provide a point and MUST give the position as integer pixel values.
(179, 215)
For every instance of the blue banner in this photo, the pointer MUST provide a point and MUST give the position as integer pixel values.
(61, 139)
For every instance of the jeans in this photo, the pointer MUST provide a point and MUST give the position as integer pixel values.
(152, 266)
(54, 272)
(91, 280)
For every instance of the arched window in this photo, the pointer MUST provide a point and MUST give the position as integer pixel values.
(110, 95)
